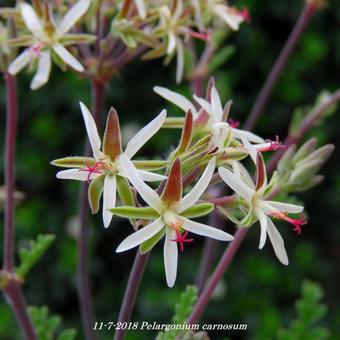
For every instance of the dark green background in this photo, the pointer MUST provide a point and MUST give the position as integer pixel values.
(257, 289)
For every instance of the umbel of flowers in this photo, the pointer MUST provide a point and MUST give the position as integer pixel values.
(211, 150)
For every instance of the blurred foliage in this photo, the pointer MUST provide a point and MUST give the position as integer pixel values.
(257, 290)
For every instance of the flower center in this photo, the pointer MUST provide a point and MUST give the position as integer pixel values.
(35, 50)
(181, 238)
(96, 168)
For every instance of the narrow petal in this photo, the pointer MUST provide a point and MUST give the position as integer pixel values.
(148, 195)
(43, 72)
(76, 174)
(67, 57)
(236, 184)
(177, 99)
(91, 130)
(109, 199)
(141, 235)
(72, 16)
(249, 136)
(277, 242)
(250, 149)
(263, 223)
(143, 135)
(205, 230)
(31, 20)
(150, 176)
(216, 106)
(180, 61)
(141, 8)
(204, 104)
(193, 196)
(19, 62)
(284, 207)
(171, 43)
(170, 257)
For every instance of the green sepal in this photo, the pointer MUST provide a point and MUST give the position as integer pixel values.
(150, 165)
(147, 245)
(125, 193)
(285, 162)
(198, 210)
(145, 213)
(75, 39)
(74, 162)
(305, 171)
(173, 123)
(271, 185)
(29, 257)
(26, 40)
(95, 192)
(305, 150)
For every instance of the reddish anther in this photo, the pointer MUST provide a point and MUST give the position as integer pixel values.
(181, 239)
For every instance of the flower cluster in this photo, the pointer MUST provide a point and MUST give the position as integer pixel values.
(211, 150)
(96, 38)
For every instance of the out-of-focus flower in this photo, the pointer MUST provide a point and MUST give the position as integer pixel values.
(104, 168)
(171, 215)
(255, 197)
(48, 39)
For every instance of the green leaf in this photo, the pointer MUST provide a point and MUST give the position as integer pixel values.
(28, 257)
(95, 192)
(182, 310)
(74, 162)
(197, 210)
(146, 213)
(67, 334)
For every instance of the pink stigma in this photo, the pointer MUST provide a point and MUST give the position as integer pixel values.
(244, 13)
(96, 168)
(198, 35)
(181, 238)
(35, 50)
(233, 123)
(296, 222)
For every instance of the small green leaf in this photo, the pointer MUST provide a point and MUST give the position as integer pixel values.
(198, 210)
(67, 334)
(95, 192)
(146, 213)
(28, 257)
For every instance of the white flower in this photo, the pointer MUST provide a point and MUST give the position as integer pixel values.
(47, 39)
(217, 122)
(262, 208)
(107, 161)
(170, 213)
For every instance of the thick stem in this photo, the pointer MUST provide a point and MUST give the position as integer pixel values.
(280, 63)
(131, 291)
(12, 288)
(84, 286)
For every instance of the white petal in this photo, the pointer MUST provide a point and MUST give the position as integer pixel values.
(204, 104)
(233, 21)
(150, 176)
(170, 257)
(263, 223)
(141, 8)
(250, 149)
(109, 199)
(76, 174)
(180, 61)
(19, 62)
(205, 230)
(148, 195)
(43, 71)
(177, 99)
(284, 207)
(236, 184)
(143, 135)
(72, 16)
(277, 242)
(193, 196)
(31, 20)
(171, 43)
(141, 235)
(216, 106)
(249, 136)
(91, 130)
(67, 57)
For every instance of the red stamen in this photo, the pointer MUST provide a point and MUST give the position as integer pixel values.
(296, 222)
(96, 168)
(233, 123)
(181, 238)
(198, 35)
(271, 145)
